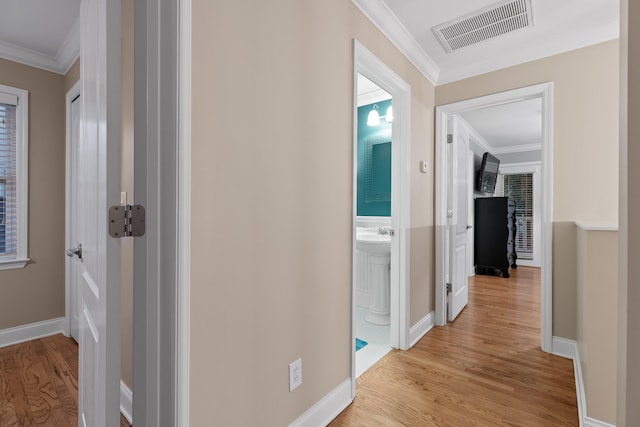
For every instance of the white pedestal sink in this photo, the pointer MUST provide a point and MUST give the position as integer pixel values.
(378, 249)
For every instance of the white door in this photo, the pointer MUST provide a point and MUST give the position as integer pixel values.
(457, 202)
(99, 172)
(75, 263)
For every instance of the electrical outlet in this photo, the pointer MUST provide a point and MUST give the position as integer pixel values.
(295, 374)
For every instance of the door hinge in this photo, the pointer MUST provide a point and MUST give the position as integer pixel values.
(449, 288)
(126, 220)
(449, 138)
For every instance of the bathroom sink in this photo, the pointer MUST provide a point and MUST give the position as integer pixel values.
(377, 248)
(368, 240)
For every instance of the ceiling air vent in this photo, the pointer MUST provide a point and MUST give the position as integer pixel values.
(493, 21)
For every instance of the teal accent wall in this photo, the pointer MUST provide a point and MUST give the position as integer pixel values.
(374, 163)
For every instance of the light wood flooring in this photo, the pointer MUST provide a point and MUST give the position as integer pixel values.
(39, 383)
(484, 369)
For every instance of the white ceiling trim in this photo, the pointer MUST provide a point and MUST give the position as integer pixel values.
(517, 148)
(477, 138)
(382, 17)
(66, 56)
(486, 146)
(372, 97)
(70, 49)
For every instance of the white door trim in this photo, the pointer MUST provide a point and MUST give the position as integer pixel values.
(545, 92)
(157, 153)
(184, 211)
(69, 97)
(367, 64)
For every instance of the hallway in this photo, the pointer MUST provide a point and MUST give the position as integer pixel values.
(484, 369)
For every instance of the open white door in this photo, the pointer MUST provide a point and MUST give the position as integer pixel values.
(457, 207)
(99, 172)
(75, 254)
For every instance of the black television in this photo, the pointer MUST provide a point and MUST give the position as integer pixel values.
(488, 174)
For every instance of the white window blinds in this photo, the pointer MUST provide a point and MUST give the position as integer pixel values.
(8, 175)
(520, 188)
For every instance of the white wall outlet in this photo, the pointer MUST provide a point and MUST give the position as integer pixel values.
(295, 374)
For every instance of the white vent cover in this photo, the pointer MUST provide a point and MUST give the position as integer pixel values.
(493, 21)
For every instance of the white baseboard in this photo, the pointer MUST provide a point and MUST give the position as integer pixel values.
(327, 408)
(580, 396)
(569, 350)
(126, 402)
(32, 331)
(563, 347)
(590, 422)
(421, 328)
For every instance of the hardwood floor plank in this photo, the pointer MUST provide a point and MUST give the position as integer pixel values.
(39, 384)
(484, 369)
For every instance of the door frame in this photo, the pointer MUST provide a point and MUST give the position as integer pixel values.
(545, 92)
(367, 64)
(71, 94)
(161, 183)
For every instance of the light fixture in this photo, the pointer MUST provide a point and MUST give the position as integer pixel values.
(373, 119)
(389, 116)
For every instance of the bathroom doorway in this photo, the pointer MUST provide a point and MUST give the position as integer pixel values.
(380, 301)
(373, 223)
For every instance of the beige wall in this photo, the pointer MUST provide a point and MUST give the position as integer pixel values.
(629, 315)
(585, 154)
(72, 76)
(36, 293)
(126, 168)
(272, 203)
(597, 298)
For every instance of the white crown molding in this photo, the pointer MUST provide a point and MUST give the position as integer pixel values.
(372, 97)
(382, 17)
(477, 138)
(517, 148)
(66, 56)
(70, 49)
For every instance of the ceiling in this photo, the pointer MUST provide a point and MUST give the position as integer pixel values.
(558, 26)
(369, 92)
(512, 132)
(517, 124)
(41, 33)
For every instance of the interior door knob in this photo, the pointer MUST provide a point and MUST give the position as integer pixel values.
(75, 251)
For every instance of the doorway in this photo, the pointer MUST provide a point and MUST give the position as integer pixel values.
(446, 176)
(369, 67)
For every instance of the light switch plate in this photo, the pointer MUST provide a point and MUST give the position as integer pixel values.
(423, 166)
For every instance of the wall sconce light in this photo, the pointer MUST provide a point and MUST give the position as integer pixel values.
(373, 119)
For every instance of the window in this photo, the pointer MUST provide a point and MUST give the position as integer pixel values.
(13, 177)
(519, 187)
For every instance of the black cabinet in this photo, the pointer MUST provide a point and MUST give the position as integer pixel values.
(495, 231)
